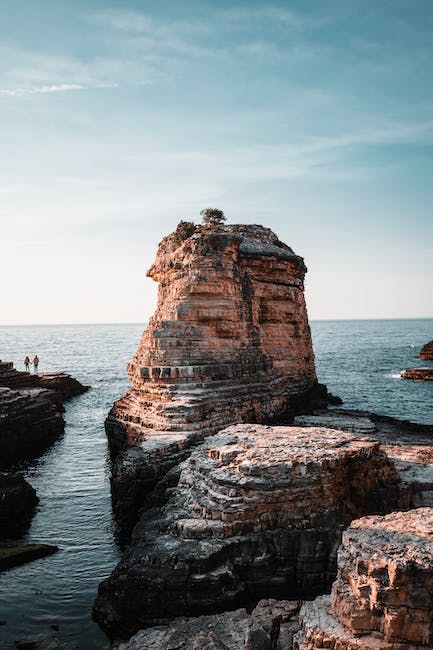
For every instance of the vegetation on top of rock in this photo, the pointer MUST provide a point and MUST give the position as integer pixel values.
(184, 230)
(213, 217)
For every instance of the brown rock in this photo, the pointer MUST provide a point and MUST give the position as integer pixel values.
(383, 595)
(229, 341)
(426, 351)
(257, 513)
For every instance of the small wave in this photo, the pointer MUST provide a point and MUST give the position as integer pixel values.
(393, 375)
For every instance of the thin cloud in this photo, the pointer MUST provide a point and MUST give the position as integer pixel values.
(53, 88)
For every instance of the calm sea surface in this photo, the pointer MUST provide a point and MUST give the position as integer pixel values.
(358, 360)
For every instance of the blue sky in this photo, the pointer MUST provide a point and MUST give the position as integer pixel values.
(314, 118)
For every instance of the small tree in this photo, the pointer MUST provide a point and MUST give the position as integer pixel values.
(213, 217)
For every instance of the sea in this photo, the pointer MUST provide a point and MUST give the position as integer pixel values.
(359, 360)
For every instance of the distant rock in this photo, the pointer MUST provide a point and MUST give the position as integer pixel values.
(18, 503)
(426, 351)
(418, 374)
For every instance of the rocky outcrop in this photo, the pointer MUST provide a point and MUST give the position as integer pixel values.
(31, 407)
(229, 341)
(270, 626)
(61, 383)
(18, 503)
(30, 420)
(383, 595)
(257, 513)
(426, 351)
(418, 374)
(12, 556)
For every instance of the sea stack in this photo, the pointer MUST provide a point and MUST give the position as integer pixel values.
(229, 341)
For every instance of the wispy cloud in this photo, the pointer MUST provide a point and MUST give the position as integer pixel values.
(53, 88)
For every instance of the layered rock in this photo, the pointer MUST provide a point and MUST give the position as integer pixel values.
(426, 351)
(418, 374)
(270, 626)
(383, 595)
(30, 420)
(18, 503)
(229, 341)
(257, 513)
(31, 407)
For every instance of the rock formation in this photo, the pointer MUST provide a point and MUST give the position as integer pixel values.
(382, 598)
(426, 351)
(257, 513)
(418, 374)
(31, 407)
(229, 342)
(270, 626)
(18, 502)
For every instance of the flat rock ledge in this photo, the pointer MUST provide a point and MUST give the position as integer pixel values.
(426, 351)
(257, 513)
(383, 595)
(12, 556)
(270, 626)
(418, 374)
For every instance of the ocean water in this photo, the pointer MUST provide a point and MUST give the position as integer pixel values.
(359, 360)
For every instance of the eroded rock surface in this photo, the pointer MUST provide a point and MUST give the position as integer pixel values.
(229, 341)
(418, 374)
(257, 513)
(383, 595)
(271, 626)
(426, 351)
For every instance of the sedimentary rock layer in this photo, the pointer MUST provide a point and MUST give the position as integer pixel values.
(418, 374)
(18, 503)
(426, 351)
(257, 513)
(229, 341)
(63, 384)
(30, 420)
(383, 595)
(270, 626)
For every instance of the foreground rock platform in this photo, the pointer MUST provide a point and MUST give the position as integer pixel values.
(270, 626)
(383, 595)
(257, 513)
(426, 351)
(229, 341)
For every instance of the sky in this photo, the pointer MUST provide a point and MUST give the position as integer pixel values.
(118, 119)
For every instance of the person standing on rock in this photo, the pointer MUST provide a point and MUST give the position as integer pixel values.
(36, 363)
(27, 364)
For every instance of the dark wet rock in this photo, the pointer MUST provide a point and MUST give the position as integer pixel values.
(18, 503)
(12, 556)
(426, 351)
(30, 421)
(257, 513)
(270, 625)
(418, 374)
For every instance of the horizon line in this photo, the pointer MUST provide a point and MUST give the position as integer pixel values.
(119, 323)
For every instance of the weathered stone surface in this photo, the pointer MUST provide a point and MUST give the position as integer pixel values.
(384, 588)
(257, 513)
(426, 351)
(18, 502)
(63, 384)
(229, 341)
(418, 374)
(270, 626)
(30, 420)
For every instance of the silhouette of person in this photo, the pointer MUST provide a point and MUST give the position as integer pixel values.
(27, 364)
(36, 363)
